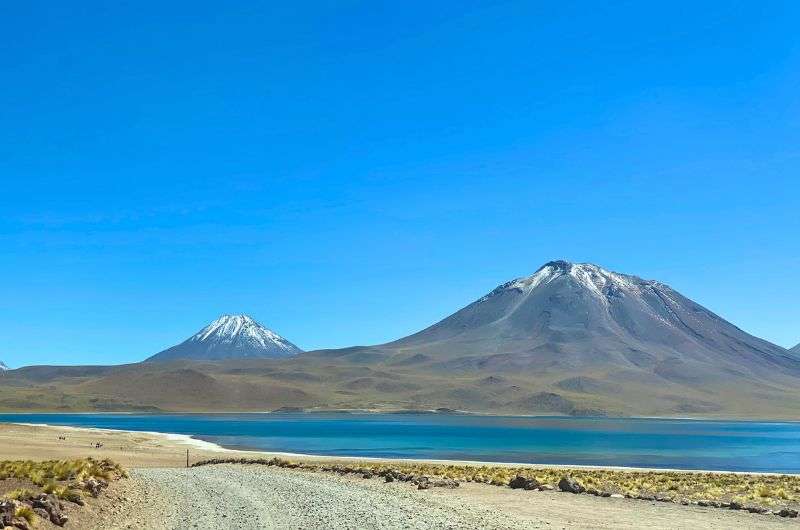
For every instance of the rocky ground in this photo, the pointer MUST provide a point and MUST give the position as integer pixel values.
(243, 497)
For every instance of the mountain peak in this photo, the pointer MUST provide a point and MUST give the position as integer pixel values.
(3, 367)
(567, 267)
(242, 317)
(229, 337)
(229, 325)
(559, 264)
(232, 328)
(596, 279)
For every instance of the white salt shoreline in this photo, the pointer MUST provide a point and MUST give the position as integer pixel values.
(183, 439)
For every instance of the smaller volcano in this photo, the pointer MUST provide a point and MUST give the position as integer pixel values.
(230, 337)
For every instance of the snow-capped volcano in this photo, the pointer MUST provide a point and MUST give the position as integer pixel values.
(3, 367)
(230, 337)
(574, 317)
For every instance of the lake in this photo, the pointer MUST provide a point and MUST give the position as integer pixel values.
(658, 443)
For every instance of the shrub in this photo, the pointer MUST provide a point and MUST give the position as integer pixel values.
(27, 513)
(19, 494)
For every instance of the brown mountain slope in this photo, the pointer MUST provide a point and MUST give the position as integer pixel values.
(261, 385)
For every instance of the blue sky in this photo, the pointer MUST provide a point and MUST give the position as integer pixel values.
(351, 172)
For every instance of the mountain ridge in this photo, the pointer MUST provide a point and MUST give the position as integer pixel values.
(572, 339)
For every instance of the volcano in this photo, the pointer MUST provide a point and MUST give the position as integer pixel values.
(230, 337)
(575, 317)
(576, 338)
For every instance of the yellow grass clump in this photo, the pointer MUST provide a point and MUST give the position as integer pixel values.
(59, 477)
(27, 513)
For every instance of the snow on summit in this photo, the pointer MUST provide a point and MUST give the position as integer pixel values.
(591, 276)
(231, 337)
(233, 328)
(600, 282)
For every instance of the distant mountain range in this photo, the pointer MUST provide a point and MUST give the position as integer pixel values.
(3, 366)
(570, 339)
(230, 337)
(796, 349)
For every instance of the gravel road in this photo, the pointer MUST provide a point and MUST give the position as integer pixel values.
(250, 497)
(227, 496)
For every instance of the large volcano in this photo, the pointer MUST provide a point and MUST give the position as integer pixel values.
(580, 316)
(577, 338)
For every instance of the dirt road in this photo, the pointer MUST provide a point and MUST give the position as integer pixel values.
(250, 497)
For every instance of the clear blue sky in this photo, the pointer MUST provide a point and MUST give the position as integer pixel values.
(350, 172)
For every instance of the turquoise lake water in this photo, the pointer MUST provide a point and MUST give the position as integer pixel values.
(674, 444)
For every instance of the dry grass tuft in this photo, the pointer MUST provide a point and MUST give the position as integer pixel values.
(42, 473)
(19, 494)
(27, 513)
(63, 478)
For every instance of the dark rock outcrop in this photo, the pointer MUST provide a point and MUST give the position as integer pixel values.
(570, 485)
(53, 506)
(94, 486)
(520, 482)
(7, 510)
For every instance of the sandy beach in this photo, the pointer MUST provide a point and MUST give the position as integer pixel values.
(162, 493)
(131, 449)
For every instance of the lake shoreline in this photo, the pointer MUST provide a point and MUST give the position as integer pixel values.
(401, 412)
(162, 481)
(204, 449)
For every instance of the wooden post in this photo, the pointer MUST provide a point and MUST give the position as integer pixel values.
(187, 458)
